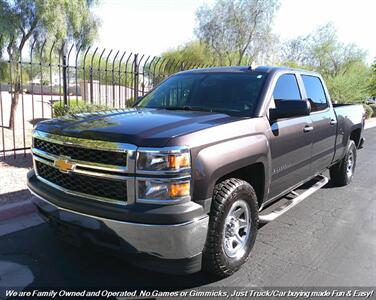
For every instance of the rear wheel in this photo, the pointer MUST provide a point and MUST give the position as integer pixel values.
(342, 172)
(232, 227)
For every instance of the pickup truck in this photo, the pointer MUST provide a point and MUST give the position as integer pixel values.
(178, 183)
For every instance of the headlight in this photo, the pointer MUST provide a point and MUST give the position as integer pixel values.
(165, 161)
(163, 192)
(172, 166)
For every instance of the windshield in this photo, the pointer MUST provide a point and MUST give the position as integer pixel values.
(231, 93)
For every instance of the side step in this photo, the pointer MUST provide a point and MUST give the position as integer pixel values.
(294, 201)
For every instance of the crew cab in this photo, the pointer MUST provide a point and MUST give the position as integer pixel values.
(179, 182)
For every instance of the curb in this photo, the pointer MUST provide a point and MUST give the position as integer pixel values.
(13, 210)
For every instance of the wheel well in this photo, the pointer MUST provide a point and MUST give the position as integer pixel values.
(254, 175)
(355, 136)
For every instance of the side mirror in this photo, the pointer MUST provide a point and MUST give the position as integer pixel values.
(289, 109)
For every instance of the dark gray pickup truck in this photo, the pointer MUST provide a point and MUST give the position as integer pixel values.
(180, 182)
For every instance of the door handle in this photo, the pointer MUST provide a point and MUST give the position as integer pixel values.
(307, 128)
(333, 122)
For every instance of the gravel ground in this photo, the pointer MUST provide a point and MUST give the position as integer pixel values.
(30, 109)
(13, 170)
(13, 178)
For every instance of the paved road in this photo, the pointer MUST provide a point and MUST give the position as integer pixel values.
(327, 240)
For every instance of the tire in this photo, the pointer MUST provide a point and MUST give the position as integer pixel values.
(342, 172)
(234, 210)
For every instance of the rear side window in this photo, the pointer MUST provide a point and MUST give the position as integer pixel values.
(287, 88)
(315, 92)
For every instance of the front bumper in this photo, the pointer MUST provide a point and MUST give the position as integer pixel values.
(180, 242)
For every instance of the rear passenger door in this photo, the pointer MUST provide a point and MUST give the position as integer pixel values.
(290, 143)
(324, 123)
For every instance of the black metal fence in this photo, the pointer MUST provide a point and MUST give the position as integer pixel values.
(53, 79)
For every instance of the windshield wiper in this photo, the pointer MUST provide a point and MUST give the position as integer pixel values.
(192, 108)
(186, 107)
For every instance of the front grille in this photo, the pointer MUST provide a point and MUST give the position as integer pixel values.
(100, 187)
(83, 154)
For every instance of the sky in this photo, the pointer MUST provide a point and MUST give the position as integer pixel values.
(153, 26)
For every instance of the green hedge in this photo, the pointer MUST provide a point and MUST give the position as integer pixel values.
(76, 107)
(369, 111)
(373, 107)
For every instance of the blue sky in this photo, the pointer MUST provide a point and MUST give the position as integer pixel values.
(153, 26)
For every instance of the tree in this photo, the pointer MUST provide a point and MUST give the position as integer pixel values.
(52, 20)
(294, 52)
(194, 52)
(349, 86)
(235, 29)
(371, 88)
(342, 65)
(109, 70)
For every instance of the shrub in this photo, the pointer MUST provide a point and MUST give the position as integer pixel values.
(76, 107)
(373, 106)
(369, 110)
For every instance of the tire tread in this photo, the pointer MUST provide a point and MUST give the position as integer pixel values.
(212, 262)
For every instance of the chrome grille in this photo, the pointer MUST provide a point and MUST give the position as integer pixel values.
(91, 169)
(84, 154)
(96, 186)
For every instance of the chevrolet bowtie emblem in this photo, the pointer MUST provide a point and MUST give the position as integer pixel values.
(64, 165)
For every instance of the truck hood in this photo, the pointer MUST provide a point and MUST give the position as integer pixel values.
(141, 127)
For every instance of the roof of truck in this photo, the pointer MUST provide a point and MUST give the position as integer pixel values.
(264, 69)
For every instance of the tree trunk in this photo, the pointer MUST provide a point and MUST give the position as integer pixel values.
(240, 59)
(14, 105)
(14, 53)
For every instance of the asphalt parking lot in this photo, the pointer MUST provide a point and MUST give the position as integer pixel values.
(327, 240)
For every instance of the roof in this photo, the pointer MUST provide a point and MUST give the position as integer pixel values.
(242, 69)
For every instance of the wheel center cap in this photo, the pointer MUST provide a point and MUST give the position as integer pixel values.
(231, 228)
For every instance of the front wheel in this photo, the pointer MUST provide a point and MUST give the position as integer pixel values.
(232, 227)
(342, 172)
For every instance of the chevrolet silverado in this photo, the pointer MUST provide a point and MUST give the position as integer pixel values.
(179, 182)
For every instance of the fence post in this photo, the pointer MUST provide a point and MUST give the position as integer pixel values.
(135, 87)
(91, 84)
(65, 90)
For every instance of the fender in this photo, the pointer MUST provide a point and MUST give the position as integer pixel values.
(346, 125)
(216, 161)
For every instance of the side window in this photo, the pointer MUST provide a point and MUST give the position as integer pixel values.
(315, 92)
(287, 88)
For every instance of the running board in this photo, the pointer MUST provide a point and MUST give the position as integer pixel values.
(296, 200)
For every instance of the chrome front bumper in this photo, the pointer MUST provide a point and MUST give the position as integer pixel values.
(173, 242)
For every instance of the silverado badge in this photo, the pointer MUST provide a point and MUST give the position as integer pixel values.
(64, 165)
